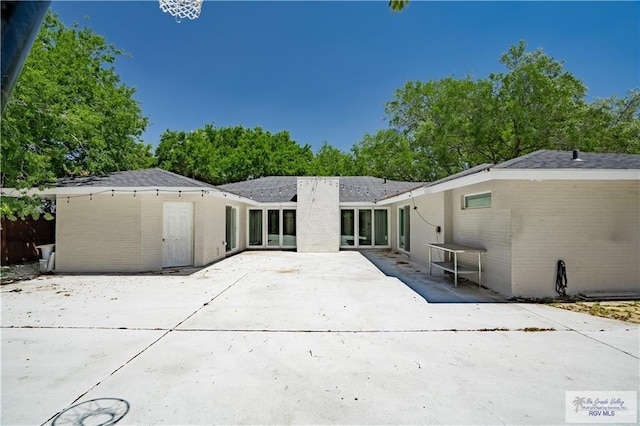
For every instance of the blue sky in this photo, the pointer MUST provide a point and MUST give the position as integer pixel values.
(324, 70)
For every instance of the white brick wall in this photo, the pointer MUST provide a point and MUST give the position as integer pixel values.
(487, 228)
(123, 233)
(430, 208)
(592, 225)
(98, 235)
(318, 215)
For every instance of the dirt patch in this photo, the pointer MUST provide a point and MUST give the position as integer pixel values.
(21, 272)
(624, 310)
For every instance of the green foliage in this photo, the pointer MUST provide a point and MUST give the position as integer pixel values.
(397, 5)
(330, 161)
(453, 124)
(387, 154)
(232, 154)
(69, 115)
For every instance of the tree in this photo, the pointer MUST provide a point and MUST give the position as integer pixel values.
(397, 5)
(330, 161)
(388, 154)
(69, 115)
(231, 154)
(453, 124)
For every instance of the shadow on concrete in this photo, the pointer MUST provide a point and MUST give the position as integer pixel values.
(436, 288)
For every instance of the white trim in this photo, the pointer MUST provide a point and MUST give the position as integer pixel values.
(364, 204)
(518, 174)
(403, 197)
(566, 174)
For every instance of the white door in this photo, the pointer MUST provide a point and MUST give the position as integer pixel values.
(177, 234)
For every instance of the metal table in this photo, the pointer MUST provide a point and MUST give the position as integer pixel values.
(452, 265)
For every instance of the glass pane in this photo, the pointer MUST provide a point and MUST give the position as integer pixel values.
(289, 228)
(228, 228)
(364, 227)
(401, 228)
(255, 227)
(273, 227)
(347, 228)
(231, 228)
(407, 228)
(234, 228)
(479, 200)
(381, 228)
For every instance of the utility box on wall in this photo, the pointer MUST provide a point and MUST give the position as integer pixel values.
(318, 215)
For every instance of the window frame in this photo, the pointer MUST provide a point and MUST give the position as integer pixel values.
(265, 227)
(476, 196)
(356, 227)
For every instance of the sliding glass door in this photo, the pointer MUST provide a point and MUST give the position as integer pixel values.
(272, 228)
(231, 228)
(347, 228)
(404, 228)
(289, 228)
(255, 227)
(381, 226)
(364, 228)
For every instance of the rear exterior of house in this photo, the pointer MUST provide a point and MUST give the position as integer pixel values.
(533, 211)
(123, 233)
(527, 213)
(139, 221)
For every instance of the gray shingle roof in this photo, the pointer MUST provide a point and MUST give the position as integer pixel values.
(150, 178)
(369, 189)
(277, 189)
(271, 189)
(471, 171)
(547, 159)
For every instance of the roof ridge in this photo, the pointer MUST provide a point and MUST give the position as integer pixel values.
(520, 158)
(181, 177)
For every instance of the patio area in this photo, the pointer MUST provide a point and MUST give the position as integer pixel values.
(290, 338)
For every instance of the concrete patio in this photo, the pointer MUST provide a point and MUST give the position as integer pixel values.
(290, 338)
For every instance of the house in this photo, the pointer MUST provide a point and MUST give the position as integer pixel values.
(134, 221)
(527, 213)
(530, 212)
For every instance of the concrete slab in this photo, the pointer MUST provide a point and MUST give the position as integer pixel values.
(108, 300)
(364, 378)
(44, 370)
(435, 287)
(247, 340)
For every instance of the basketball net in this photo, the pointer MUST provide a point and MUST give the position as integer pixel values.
(181, 8)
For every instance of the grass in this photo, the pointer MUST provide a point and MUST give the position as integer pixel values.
(620, 310)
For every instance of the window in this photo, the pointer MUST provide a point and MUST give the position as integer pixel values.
(231, 228)
(347, 228)
(289, 228)
(477, 201)
(255, 227)
(364, 227)
(273, 228)
(404, 228)
(381, 227)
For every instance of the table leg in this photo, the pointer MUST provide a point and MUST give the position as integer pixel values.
(455, 268)
(479, 269)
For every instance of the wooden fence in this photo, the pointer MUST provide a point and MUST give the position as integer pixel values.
(20, 238)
